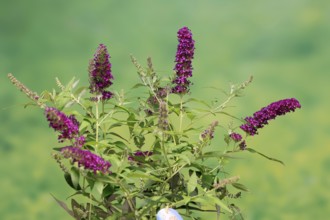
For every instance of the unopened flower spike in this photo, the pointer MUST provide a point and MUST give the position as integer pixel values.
(163, 116)
(100, 76)
(208, 134)
(183, 59)
(270, 112)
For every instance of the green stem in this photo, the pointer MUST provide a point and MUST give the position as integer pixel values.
(103, 133)
(181, 114)
(97, 124)
(164, 151)
(90, 207)
(130, 202)
(79, 103)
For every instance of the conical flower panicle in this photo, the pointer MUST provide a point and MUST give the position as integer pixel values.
(100, 76)
(261, 117)
(184, 56)
(86, 159)
(68, 126)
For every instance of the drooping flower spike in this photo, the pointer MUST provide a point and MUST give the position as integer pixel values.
(100, 76)
(261, 117)
(184, 56)
(86, 159)
(68, 126)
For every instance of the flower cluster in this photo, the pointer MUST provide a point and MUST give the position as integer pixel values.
(235, 137)
(208, 134)
(67, 126)
(86, 159)
(261, 117)
(184, 56)
(100, 76)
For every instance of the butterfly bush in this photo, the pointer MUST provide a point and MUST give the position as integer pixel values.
(155, 151)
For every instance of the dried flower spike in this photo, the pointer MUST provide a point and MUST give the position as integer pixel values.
(184, 56)
(100, 76)
(32, 95)
(86, 159)
(261, 117)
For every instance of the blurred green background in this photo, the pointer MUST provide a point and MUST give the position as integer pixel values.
(284, 44)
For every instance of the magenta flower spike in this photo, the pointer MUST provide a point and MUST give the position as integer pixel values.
(261, 117)
(86, 159)
(68, 126)
(184, 56)
(100, 76)
(235, 137)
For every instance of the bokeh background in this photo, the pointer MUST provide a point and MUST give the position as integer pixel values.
(284, 44)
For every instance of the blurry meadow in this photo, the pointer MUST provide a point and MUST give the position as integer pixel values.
(284, 44)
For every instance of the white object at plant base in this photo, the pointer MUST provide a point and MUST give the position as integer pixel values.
(168, 214)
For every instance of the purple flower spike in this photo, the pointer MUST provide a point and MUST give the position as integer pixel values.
(100, 76)
(208, 134)
(68, 126)
(86, 159)
(261, 117)
(236, 137)
(184, 56)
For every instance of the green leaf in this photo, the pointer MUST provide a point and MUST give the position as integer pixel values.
(63, 205)
(184, 201)
(98, 186)
(192, 183)
(240, 186)
(263, 155)
(137, 85)
(236, 215)
(198, 101)
(218, 202)
(74, 172)
(117, 135)
(144, 176)
(68, 179)
(119, 144)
